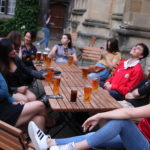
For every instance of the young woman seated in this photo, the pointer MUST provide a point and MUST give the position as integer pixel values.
(108, 60)
(28, 50)
(63, 50)
(17, 113)
(16, 73)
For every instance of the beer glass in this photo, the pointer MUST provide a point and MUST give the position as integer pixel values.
(87, 94)
(45, 54)
(56, 84)
(95, 84)
(38, 56)
(48, 62)
(49, 76)
(85, 72)
(70, 60)
(73, 97)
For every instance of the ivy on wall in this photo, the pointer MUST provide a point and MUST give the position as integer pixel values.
(25, 18)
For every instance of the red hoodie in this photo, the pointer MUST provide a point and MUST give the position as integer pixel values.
(124, 80)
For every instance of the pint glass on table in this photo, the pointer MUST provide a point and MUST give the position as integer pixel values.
(49, 76)
(70, 60)
(45, 54)
(85, 72)
(56, 84)
(38, 56)
(87, 94)
(48, 62)
(73, 96)
(95, 84)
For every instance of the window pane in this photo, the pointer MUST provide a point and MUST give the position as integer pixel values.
(2, 6)
(11, 6)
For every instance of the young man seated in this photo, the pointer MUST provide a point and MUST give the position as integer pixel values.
(139, 96)
(128, 73)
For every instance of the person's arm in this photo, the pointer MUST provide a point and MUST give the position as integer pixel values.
(122, 113)
(52, 52)
(29, 71)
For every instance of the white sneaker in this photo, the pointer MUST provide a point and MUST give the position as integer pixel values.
(38, 44)
(37, 136)
(70, 146)
(47, 49)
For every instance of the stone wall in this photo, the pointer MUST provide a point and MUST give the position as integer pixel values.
(127, 20)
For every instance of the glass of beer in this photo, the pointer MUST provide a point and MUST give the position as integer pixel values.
(48, 62)
(95, 84)
(38, 56)
(45, 55)
(85, 72)
(87, 93)
(49, 76)
(73, 97)
(56, 84)
(70, 60)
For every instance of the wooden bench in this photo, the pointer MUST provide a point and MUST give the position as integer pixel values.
(12, 138)
(90, 53)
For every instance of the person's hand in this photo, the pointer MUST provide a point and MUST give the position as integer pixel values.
(107, 86)
(90, 123)
(53, 24)
(129, 96)
(22, 89)
(44, 75)
(104, 53)
(20, 102)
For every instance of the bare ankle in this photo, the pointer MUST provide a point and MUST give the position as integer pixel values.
(51, 142)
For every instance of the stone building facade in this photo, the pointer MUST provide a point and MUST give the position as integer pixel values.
(127, 20)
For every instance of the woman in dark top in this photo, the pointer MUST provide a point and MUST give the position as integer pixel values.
(16, 72)
(28, 50)
(17, 114)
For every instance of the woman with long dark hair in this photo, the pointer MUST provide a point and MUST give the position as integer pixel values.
(63, 50)
(16, 73)
(108, 60)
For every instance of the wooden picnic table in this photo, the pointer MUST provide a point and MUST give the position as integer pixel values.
(71, 77)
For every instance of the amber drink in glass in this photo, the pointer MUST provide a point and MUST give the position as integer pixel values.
(87, 94)
(85, 72)
(95, 84)
(70, 60)
(56, 84)
(38, 56)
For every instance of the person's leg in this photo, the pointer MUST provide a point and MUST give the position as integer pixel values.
(118, 96)
(44, 39)
(33, 111)
(107, 136)
(30, 95)
(47, 37)
(20, 97)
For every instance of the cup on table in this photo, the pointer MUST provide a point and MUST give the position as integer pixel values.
(56, 85)
(49, 76)
(95, 84)
(85, 72)
(87, 93)
(70, 60)
(48, 62)
(45, 55)
(73, 97)
(38, 56)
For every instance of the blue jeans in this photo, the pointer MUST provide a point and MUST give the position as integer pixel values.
(115, 134)
(46, 37)
(118, 96)
(103, 75)
(61, 60)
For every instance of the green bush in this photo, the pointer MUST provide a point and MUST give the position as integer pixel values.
(26, 15)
